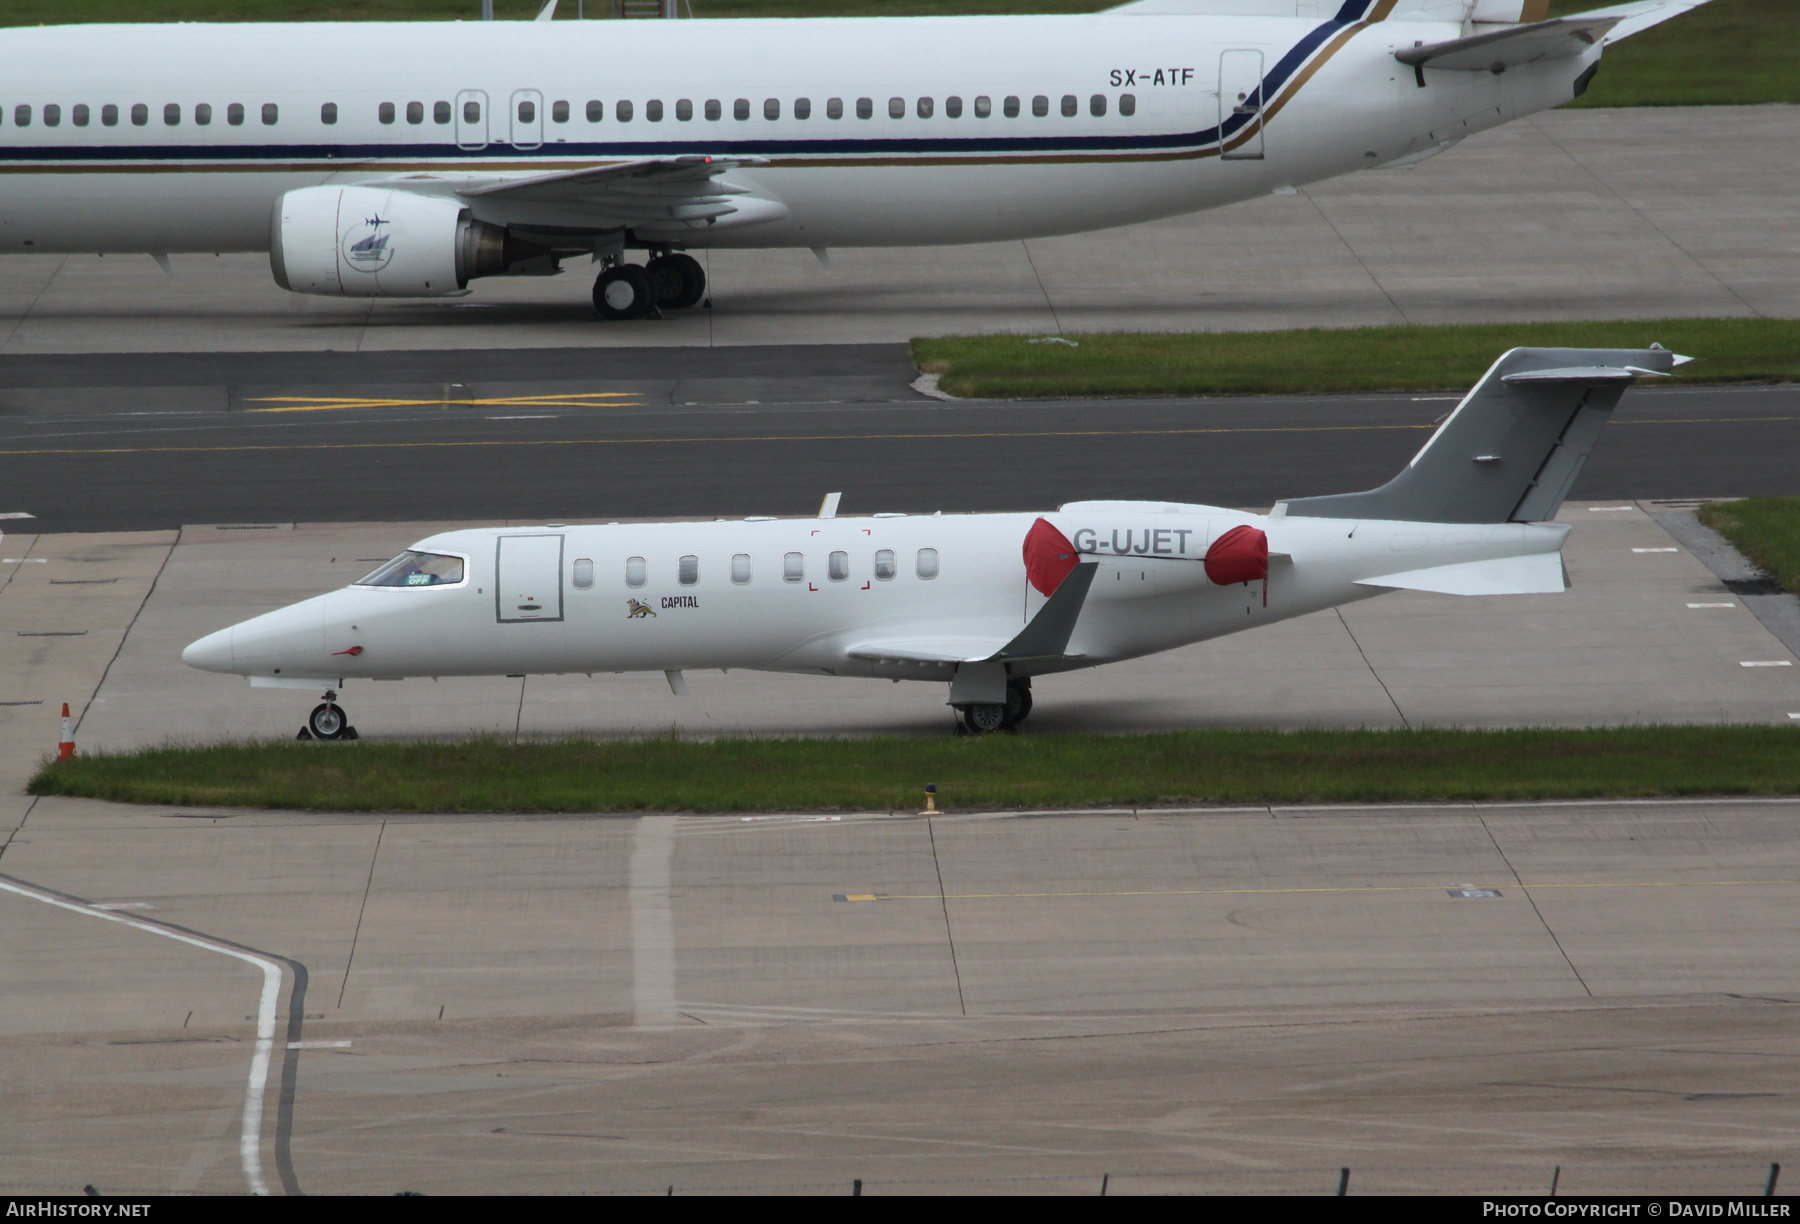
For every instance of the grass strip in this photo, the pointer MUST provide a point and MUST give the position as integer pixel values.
(886, 774)
(1730, 51)
(1328, 360)
(1764, 529)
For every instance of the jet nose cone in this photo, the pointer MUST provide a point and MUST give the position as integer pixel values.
(210, 653)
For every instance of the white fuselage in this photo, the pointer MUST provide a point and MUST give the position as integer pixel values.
(577, 608)
(103, 148)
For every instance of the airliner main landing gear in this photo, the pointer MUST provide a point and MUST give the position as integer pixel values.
(989, 718)
(672, 280)
(327, 721)
(679, 280)
(624, 291)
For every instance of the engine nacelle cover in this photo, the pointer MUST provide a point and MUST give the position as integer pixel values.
(367, 242)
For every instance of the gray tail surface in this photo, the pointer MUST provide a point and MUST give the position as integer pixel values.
(1513, 446)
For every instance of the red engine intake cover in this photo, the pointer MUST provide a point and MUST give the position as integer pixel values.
(1049, 557)
(1240, 555)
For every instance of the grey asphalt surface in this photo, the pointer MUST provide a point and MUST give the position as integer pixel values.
(121, 442)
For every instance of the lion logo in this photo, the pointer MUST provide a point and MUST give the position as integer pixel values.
(638, 610)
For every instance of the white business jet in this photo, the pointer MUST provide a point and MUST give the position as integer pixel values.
(406, 160)
(983, 602)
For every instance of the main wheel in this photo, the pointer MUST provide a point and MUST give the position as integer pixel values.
(986, 719)
(1018, 702)
(327, 721)
(624, 291)
(679, 280)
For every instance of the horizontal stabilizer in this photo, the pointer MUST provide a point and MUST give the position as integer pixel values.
(1639, 16)
(1536, 574)
(1498, 50)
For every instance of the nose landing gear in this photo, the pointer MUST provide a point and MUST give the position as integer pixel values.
(327, 721)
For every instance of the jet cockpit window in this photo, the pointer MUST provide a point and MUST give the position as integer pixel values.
(793, 567)
(1128, 105)
(687, 570)
(417, 569)
(837, 565)
(234, 115)
(984, 106)
(328, 113)
(884, 564)
(928, 563)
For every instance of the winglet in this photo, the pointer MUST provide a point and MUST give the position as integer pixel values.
(1047, 636)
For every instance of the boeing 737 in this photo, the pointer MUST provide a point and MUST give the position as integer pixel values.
(983, 602)
(406, 160)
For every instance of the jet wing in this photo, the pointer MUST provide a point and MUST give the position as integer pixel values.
(655, 176)
(1046, 637)
(1558, 38)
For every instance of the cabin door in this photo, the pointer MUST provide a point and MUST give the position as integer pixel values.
(1241, 106)
(471, 119)
(527, 119)
(529, 578)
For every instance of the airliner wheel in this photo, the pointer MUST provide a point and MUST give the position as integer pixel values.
(679, 279)
(327, 721)
(1018, 702)
(987, 718)
(623, 292)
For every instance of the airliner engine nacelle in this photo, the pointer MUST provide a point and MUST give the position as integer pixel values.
(372, 242)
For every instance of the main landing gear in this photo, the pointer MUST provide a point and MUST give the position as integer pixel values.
(992, 718)
(327, 721)
(673, 281)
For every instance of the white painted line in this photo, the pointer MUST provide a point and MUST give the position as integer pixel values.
(24, 560)
(542, 416)
(1713, 605)
(250, 1134)
(1767, 663)
(652, 922)
(16, 514)
(318, 1045)
(1432, 399)
(124, 905)
(1610, 509)
(1645, 550)
(791, 819)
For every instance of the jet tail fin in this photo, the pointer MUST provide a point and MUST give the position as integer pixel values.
(1513, 446)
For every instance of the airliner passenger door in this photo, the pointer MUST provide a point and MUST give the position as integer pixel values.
(529, 586)
(1241, 106)
(471, 119)
(527, 119)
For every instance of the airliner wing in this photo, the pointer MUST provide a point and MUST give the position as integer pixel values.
(929, 650)
(1045, 637)
(656, 176)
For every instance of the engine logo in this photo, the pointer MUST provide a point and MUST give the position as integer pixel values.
(366, 245)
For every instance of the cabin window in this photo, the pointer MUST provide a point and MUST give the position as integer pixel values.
(328, 113)
(203, 113)
(803, 108)
(713, 108)
(687, 570)
(416, 569)
(1040, 106)
(740, 568)
(440, 112)
(1097, 106)
(596, 111)
(559, 112)
(109, 115)
(78, 114)
(896, 108)
(834, 108)
(21, 116)
(984, 106)
(740, 109)
(1128, 105)
(234, 114)
(622, 112)
(385, 112)
(415, 112)
(684, 109)
(52, 114)
(1070, 105)
(793, 567)
(635, 571)
(172, 115)
(653, 110)
(865, 108)
(140, 114)
(927, 565)
(471, 111)
(1011, 107)
(271, 114)
(925, 108)
(953, 107)
(582, 573)
(527, 111)
(771, 109)
(884, 565)
(837, 565)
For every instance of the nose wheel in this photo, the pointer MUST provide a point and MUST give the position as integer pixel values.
(327, 721)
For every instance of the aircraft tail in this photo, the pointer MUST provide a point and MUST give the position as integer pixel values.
(1512, 448)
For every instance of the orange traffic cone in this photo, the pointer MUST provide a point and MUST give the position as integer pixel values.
(65, 748)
